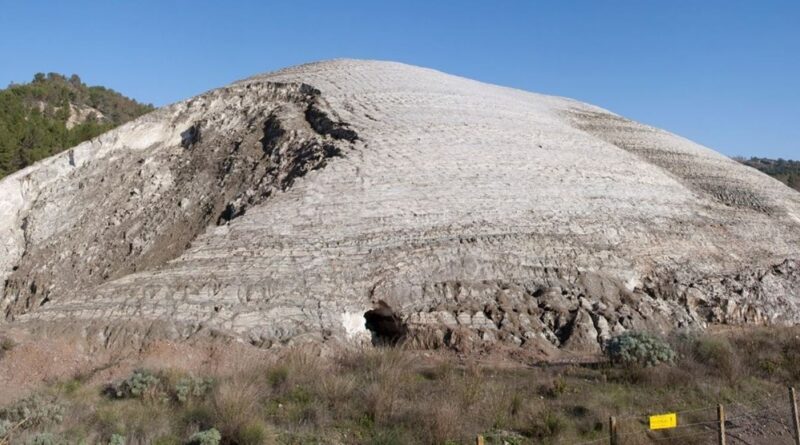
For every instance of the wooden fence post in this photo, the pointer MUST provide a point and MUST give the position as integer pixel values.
(721, 418)
(795, 421)
(480, 441)
(612, 430)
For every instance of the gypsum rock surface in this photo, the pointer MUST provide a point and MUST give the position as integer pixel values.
(284, 207)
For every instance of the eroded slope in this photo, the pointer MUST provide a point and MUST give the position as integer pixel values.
(116, 208)
(479, 214)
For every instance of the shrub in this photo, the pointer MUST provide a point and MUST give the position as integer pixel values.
(639, 348)
(237, 403)
(45, 439)
(717, 355)
(116, 439)
(200, 416)
(441, 422)
(385, 375)
(556, 389)
(34, 410)
(547, 425)
(207, 437)
(277, 376)
(300, 407)
(108, 420)
(189, 388)
(252, 433)
(135, 386)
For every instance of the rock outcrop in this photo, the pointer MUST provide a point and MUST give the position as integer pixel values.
(282, 208)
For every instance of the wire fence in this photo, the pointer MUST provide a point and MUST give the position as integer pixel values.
(768, 419)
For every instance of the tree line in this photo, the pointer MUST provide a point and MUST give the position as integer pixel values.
(786, 171)
(34, 117)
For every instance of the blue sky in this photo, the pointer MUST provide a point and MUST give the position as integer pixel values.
(723, 73)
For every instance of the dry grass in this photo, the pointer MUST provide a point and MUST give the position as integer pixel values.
(395, 396)
(236, 405)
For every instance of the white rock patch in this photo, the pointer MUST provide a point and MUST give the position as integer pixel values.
(354, 325)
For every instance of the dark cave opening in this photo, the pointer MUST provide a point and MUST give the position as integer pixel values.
(385, 325)
(191, 136)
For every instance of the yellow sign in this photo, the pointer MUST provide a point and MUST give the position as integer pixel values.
(663, 421)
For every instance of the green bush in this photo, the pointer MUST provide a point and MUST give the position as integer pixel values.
(253, 433)
(116, 439)
(163, 388)
(639, 348)
(45, 439)
(135, 386)
(189, 388)
(207, 437)
(34, 410)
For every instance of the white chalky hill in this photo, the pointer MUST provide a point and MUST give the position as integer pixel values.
(283, 207)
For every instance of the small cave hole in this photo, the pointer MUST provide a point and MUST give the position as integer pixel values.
(190, 137)
(230, 213)
(385, 325)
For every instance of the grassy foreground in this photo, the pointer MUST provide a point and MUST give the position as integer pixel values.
(394, 396)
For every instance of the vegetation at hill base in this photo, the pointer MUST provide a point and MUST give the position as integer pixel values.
(391, 395)
(786, 171)
(53, 113)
